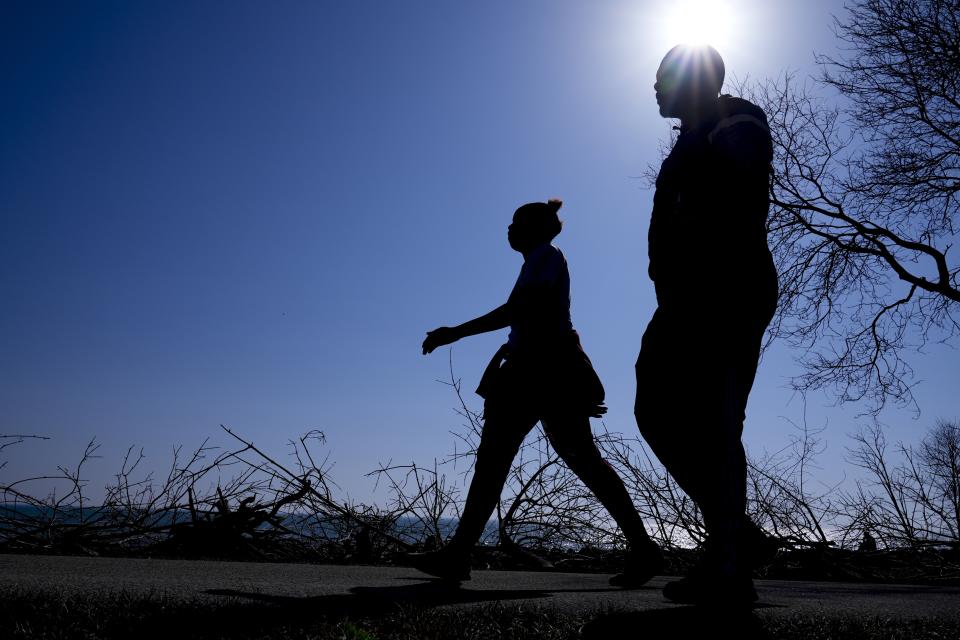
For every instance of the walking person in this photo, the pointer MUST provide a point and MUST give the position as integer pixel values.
(540, 374)
(716, 289)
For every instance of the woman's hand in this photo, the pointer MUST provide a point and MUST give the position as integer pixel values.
(439, 337)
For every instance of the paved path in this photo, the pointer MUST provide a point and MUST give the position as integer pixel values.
(368, 589)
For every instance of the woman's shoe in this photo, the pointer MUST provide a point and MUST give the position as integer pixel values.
(446, 564)
(642, 563)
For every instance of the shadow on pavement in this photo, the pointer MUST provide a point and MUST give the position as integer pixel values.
(261, 613)
(374, 600)
(251, 612)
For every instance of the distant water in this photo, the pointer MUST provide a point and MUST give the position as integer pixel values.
(310, 525)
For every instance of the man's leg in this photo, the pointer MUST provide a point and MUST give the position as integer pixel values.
(728, 525)
(670, 406)
(700, 446)
(723, 502)
(702, 382)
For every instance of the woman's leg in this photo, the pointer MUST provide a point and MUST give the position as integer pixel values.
(573, 441)
(504, 428)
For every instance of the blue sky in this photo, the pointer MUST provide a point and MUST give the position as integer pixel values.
(249, 214)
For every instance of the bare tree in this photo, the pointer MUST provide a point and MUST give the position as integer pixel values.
(239, 502)
(422, 502)
(912, 501)
(865, 198)
(781, 498)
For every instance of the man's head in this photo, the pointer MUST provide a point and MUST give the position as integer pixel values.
(689, 78)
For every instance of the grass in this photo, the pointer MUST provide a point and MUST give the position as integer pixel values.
(52, 615)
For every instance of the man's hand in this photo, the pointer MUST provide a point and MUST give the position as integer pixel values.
(439, 337)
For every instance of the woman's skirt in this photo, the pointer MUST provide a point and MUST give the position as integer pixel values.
(553, 379)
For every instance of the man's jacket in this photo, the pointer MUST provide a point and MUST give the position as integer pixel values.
(707, 239)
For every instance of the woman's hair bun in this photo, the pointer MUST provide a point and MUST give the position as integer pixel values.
(554, 204)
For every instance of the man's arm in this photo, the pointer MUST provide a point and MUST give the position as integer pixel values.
(736, 232)
(743, 141)
(499, 318)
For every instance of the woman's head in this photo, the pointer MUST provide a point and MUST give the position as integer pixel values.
(533, 224)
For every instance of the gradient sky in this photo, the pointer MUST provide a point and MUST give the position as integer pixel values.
(249, 213)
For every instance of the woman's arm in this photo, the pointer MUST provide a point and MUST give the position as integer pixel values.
(499, 318)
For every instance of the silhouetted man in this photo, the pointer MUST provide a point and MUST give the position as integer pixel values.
(716, 289)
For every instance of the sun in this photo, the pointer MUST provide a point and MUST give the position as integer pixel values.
(699, 22)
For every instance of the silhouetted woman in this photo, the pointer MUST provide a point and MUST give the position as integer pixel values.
(540, 374)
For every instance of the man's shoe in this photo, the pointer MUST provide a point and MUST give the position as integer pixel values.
(642, 563)
(714, 591)
(446, 564)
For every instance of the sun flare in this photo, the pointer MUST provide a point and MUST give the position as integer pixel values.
(699, 22)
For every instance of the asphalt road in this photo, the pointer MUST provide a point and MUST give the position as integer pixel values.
(361, 588)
